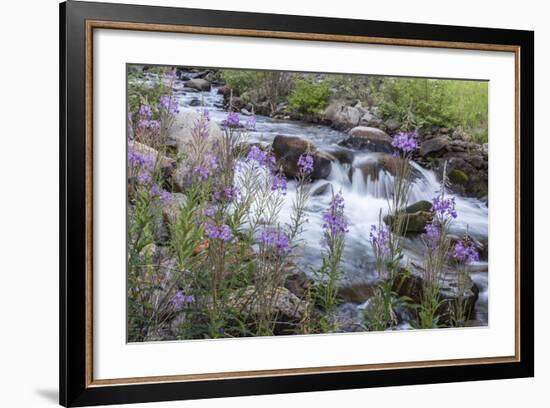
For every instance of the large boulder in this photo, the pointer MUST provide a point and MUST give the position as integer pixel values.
(167, 164)
(372, 139)
(172, 208)
(288, 149)
(181, 135)
(198, 84)
(413, 223)
(287, 309)
(411, 285)
(435, 146)
(343, 116)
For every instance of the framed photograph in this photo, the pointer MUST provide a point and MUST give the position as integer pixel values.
(256, 204)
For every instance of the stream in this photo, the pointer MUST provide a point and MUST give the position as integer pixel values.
(363, 199)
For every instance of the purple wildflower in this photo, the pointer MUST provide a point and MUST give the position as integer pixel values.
(465, 252)
(279, 184)
(250, 123)
(405, 142)
(275, 239)
(432, 235)
(231, 192)
(145, 112)
(169, 104)
(209, 210)
(204, 170)
(259, 156)
(205, 113)
(334, 221)
(380, 238)
(179, 300)
(231, 121)
(140, 159)
(222, 232)
(163, 195)
(216, 195)
(444, 207)
(305, 163)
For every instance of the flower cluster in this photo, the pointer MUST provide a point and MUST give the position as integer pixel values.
(179, 300)
(231, 121)
(444, 207)
(204, 170)
(334, 221)
(222, 232)
(279, 183)
(380, 238)
(169, 104)
(305, 163)
(145, 112)
(140, 160)
(158, 192)
(432, 235)
(275, 239)
(250, 123)
(231, 192)
(465, 252)
(405, 142)
(259, 156)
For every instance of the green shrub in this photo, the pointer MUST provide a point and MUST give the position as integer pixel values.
(448, 103)
(308, 97)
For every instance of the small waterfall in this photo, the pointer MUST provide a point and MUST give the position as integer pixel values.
(358, 183)
(339, 174)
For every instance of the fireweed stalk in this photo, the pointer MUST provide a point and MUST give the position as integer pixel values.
(380, 311)
(463, 253)
(386, 240)
(437, 244)
(335, 228)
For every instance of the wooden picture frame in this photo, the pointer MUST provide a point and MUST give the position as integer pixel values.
(78, 20)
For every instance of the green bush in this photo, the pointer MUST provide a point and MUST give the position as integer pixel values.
(308, 97)
(448, 103)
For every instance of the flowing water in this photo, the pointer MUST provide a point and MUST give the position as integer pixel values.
(365, 199)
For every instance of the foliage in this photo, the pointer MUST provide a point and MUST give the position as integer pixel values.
(450, 103)
(309, 97)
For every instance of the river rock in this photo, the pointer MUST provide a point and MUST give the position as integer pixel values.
(343, 116)
(411, 285)
(287, 308)
(343, 155)
(198, 84)
(172, 208)
(321, 189)
(181, 135)
(298, 282)
(167, 165)
(288, 149)
(414, 223)
(434, 146)
(422, 205)
(372, 139)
